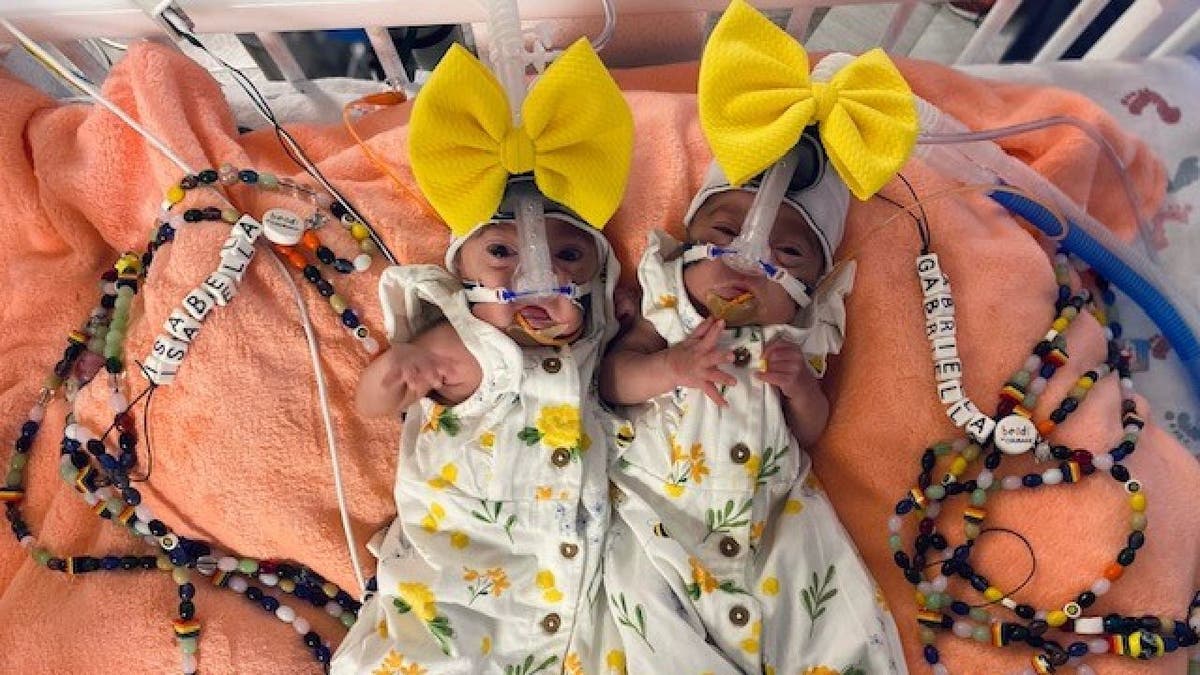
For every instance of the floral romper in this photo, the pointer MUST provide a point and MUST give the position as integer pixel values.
(725, 555)
(492, 564)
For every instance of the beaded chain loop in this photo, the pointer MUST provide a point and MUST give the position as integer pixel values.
(1017, 432)
(99, 469)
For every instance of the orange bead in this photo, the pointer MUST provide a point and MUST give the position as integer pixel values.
(1046, 427)
(310, 240)
(1113, 571)
(296, 258)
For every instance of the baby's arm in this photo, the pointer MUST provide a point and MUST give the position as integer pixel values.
(641, 366)
(804, 404)
(436, 363)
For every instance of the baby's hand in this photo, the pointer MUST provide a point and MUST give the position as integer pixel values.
(695, 362)
(626, 306)
(787, 369)
(414, 370)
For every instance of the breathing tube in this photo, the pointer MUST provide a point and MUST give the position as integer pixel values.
(948, 146)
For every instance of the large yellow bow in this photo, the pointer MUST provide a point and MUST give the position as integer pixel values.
(756, 98)
(576, 136)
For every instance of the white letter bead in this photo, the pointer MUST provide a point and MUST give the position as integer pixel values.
(944, 348)
(282, 227)
(181, 326)
(927, 266)
(159, 372)
(947, 369)
(933, 285)
(960, 412)
(939, 305)
(169, 350)
(220, 287)
(940, 327)
(247, 227)
(233, 265)
(1089, 625)
(198, 304)
(1016, 435)
(980, 427)
(236, 242)
(950, 391)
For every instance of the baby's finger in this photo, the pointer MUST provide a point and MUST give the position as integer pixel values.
(720, 377)
(714, 395)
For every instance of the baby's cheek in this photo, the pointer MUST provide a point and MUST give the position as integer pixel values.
(497, 315)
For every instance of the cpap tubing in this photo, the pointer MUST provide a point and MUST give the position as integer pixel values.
(752, 243)
(985, 162)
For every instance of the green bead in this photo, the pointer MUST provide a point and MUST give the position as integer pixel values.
(971, 452)
(248, 566)
(348, 619)
(41, 556)
(978, 497)
(96, 345)
(980, 615)
(1021, 379)
(1030, 401)
(981, 634)
(1132, 438)
(1137, 521)
(894, 542)
(941, 449)
(187, 645)
(971, 530)
(19, 460)
(933, 600)
(180, 575)
(1077, 393)
(116, 505)
(338, 303)
(123, 302)
(14, 478)
(68, 472)
(935, 492)
(368, 246)
(1069, 312)
(267, 181)
(927, 635)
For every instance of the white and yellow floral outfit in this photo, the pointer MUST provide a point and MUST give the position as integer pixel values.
(492, 564)
(724, 550)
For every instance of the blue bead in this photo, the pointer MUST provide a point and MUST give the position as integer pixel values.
(1170, 644)
(133, 497)
(344, 266)
(960, 608)
(349, 319)
(254, 594)
(29, 428)
(248, 176)
(1115, 328)
(269, 603)
(110, 562)
(1064, 293)
(904, 507)
(931, 654)
(1077, 649)
(1031, 480)
(1047, 370)
(322, 654)
(109, 463)
(962, 552)
(178, 556)
(979, 583)
(187, 591)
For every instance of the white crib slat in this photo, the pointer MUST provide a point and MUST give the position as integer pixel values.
(389, 58)
(1070, 29)
(1182, 40)
(995, 21)
(901, 15)
(278, 50)
(1143, 28)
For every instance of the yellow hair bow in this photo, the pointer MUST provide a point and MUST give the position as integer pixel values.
(756, 98)
(576, 136)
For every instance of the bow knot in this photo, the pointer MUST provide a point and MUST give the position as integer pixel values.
(576, 137)
(517, 151)
(756, 97)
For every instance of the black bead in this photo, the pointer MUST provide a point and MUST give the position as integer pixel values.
(322, 654)
(1136, 539)
(29, 428)
(193, 215)
(188, 182)
(1031, 480)
(1025, 612)
(1126, 556)
(108, 301)
(1069, 404)
(187, 591)
(254, 593)
(23, 444)
(187, 609)
(1060, 452)
(79, 460)
(96, 447)
(928, 460)
(324, 288)
(325, 255)
(921, 543)
(931, 654)
(979, 583)
(1128, 406)
(312, 274)
(212, 213)
(1018, 633)
(904, 506)
(1119, 472)
(1035, 641)
(149, 562)
(114, 365)
(127, 441)
(311, 639)
(939, 541)
(344, 266)
(1058, 415)
(130, 562)
(57, 564)
(992, 461)
(208, 176)
(337, 209)
(1086, 599)
(157, 528)
(913, 576)
(269, 603)
(1126, 447)
(1042, 348)
(1150, 623)
(349, 319)
(901, 559)
(924, 481)
(248, 176)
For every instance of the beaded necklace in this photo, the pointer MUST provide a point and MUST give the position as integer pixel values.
(103, 479)
(1016, 433)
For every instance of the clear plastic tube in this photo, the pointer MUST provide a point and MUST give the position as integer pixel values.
(753, 243)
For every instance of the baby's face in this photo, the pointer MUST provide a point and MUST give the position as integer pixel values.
(490, 258)
(794, 247)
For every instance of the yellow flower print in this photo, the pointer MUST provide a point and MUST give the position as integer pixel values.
(677, 453)
(752, 466)
(686, 466)
(487, 440)
(572, 665)
(442, 419)
(445, 477)
(559, 426)
(394, 664)
(793, 507)
(485, 645)
(770, 586)
(543, 493)
(698, 469)
(768, 670)
(625, 434)
(668, 301)
(821, 670)
(420, 600)
(492, 582)
(545, 581)
(459, 540)
(615, 660)
(673, 490)
(432, 520)
(750, 644)
(381, 629)
(813, 484)
(703, 579)
(756, 530)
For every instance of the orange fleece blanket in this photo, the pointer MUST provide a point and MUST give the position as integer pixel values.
(238, 445)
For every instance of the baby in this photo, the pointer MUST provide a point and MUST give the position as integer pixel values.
(721, 536)
(493, 562)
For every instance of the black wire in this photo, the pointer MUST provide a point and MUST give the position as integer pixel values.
(1023, 584)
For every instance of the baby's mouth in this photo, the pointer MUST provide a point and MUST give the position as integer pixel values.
(736, 304)
(533, 316)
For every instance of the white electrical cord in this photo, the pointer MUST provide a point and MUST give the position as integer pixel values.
(305, 321)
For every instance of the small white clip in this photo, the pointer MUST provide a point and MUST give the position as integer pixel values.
(163, 11)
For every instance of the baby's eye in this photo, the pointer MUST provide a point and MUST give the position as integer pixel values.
(570, 254)
(726, 230)
(791, 251)
(500, 251)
